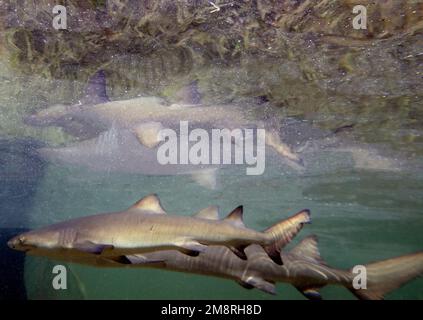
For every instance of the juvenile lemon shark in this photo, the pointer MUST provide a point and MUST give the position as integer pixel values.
(288, 229)
(303, 268)
(146, 227)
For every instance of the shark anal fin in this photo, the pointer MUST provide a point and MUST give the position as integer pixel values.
(191, 248)
(91, 247)
(260, 284)
(310, 293)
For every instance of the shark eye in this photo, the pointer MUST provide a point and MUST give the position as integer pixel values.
(21, 240)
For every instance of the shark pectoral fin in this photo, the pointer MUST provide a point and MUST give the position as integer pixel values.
(119, 260)
(310, 293)
(191, 248)
(260, 284)
(91, 247)
(148, 133)
(205, 178)
(140, 259)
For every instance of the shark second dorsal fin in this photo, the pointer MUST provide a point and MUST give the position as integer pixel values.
(150, 203)
(210, 213)
(95, 91)
(235, 217)
(308, 249)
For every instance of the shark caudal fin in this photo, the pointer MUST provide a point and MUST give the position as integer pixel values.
(387, 275)
(284, 231)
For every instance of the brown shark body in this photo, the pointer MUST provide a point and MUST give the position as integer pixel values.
(145, 227)
(303, 268)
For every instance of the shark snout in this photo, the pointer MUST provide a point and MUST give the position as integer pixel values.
(17, 243)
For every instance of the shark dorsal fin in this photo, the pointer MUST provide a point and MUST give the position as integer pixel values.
(210, 213)
(150, 203)
(235, 217)
(308, 249)
(95, 91)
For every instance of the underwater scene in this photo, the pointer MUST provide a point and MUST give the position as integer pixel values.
(247, 150)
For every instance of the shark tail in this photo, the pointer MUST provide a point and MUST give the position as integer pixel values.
(284, 231)
(387, 275)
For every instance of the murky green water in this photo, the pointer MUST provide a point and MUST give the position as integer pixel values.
(358, 216)
(348, 102)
